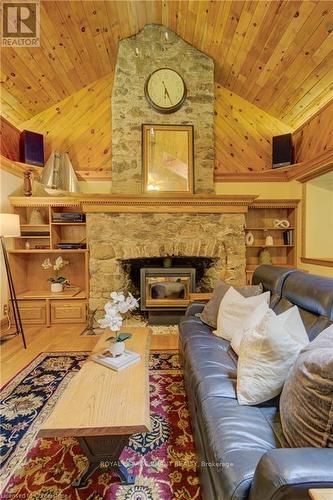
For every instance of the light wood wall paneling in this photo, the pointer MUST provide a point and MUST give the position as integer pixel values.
(315, 136)
(276, 54)
(81, 126)
(243, 134)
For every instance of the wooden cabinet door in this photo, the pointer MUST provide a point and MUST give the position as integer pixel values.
(32, 312)
(68, 311)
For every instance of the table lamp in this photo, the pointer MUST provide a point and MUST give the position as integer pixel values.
(10, 228)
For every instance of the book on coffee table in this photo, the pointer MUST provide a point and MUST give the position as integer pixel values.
(118, 363)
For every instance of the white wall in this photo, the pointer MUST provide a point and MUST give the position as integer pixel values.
(9, 184)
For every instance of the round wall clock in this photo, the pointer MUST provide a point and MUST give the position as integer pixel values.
(165, 90)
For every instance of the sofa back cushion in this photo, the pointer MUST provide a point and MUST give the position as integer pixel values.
(310, 292)
(306, 403)
(211, 309)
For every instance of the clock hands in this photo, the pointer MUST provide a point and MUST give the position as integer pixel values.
(166, 93)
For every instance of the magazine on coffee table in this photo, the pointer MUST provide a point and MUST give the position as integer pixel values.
(118, 363)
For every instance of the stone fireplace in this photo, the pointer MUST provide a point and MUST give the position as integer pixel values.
(133, 226)
(118, 237)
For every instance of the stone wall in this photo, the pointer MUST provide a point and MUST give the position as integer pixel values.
(113, 237)
(130, 108)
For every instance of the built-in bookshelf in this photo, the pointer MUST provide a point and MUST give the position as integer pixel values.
(38, 241)
(260, 222)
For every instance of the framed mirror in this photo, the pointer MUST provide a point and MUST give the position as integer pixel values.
(167, 159)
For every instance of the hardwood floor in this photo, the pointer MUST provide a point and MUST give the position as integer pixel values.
(57, 338)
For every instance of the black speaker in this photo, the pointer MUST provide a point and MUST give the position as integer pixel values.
(32, 148)
(282, 154)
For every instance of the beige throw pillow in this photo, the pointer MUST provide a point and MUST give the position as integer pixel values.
(211, 309)
(306, 403)
(233, 311)
(267, 352)
(249, 322)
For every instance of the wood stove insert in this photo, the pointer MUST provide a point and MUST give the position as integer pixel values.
(165, 292)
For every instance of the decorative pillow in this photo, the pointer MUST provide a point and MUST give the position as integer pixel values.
(211, 309)
(233, 310)
(306, 403)
(249, 322)
(267, 352)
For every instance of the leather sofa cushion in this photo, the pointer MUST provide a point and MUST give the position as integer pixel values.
(313, 324)
(310, 292)
(191, 327)
(212, 372)
(271, 278)
(236, 437)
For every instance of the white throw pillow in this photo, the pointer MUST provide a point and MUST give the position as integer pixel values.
(249, 322)
(267, 352)
(234, 309)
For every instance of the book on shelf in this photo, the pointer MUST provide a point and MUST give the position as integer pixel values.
(288, 237)
(118, 363)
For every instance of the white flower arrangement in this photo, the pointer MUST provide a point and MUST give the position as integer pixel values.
(58, 264)
(115, 309)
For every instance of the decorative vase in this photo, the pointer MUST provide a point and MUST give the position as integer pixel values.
(117, 348)
(265, 257)
(36, 217)
(269, 242)
(249, 238)
(56, 287)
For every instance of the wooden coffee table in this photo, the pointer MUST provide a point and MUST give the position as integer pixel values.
(103, 408)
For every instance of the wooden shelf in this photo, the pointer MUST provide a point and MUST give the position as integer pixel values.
(34, 225)
(48, 250)
(33, 237)
(268, 228)
(68, 223)
(260, 219)
(251, 268)
(269, 246)
(47, 294)
(17, 168)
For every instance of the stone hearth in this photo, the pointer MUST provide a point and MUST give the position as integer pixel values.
(114, 237)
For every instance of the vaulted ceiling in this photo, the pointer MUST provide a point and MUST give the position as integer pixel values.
(275, 54)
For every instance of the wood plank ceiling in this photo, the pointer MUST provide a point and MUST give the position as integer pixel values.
(275, 54)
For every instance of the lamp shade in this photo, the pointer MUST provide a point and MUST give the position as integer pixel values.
(9, 225)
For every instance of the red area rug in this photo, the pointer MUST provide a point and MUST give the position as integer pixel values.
(163, 460)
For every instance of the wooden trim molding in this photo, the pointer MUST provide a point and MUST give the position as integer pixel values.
(310, 169)
(16, 168)
(283, 203)
(301, 172)
(317, 262)
(263, 176)
(144, 204)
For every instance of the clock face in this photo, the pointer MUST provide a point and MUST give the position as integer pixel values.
(165, 90)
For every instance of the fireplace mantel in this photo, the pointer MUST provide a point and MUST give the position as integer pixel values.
(145, 204)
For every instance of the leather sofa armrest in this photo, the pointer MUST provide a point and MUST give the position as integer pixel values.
(286, 473)
(194, 308)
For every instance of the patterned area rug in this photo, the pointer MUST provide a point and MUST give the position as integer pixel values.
(156, 329)
(163, 460)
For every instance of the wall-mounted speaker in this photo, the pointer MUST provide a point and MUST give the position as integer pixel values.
(282, 154)
(32, 148)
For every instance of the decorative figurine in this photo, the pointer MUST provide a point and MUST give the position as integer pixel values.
(265, 257)
(249, 239)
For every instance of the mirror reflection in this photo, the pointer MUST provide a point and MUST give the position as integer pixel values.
(168, 158)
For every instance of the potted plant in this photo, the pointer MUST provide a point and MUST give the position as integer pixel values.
(57, 282)
(115, 311)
